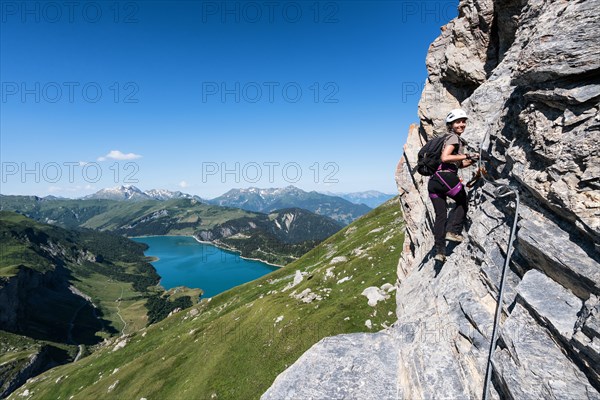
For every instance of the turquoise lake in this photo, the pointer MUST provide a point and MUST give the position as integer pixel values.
(183, 261)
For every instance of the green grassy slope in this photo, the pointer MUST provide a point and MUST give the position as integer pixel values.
(45, 273)
(13, 253)
(182, 215)
(113, 215)
(112, 270)
(63, 212)
(234, 345)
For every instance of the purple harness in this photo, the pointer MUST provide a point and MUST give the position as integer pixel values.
(452, 191)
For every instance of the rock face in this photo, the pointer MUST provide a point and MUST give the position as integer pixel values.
(15, 372)
(358, 375)
(528, 74)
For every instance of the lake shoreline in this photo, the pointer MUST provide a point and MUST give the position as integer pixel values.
(189, 263)
(219, 246)
(223, 247)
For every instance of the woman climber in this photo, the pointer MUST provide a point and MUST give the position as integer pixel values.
(446, 183)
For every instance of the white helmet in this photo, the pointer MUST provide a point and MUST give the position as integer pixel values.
(455, 114)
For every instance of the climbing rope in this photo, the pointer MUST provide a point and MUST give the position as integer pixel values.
(502, 190)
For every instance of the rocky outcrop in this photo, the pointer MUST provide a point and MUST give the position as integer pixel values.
(27, 301)
(358, 374)
(528, 74)
(291, 225)
(11, 300)
(16, 372)
(535, 116)
(22, 299)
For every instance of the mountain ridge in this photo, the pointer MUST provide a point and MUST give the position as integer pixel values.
(267, 200)
(253, 199)
(133, 193)
(183, 216)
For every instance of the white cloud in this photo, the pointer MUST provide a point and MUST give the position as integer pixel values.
(183, 184)
(118, 155)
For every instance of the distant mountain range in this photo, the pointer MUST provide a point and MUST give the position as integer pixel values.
(132, 193)
(267, 200)
(342, 209)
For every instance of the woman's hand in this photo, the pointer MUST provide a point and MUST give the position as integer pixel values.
(470, 159)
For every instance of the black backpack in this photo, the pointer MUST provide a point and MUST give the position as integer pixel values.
(429, 155)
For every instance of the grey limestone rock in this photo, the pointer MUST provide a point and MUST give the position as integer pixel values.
(551, 302)
(532, 366)
(553, 251)
(354, 366)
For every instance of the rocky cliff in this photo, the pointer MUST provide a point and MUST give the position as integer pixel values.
(528, 74)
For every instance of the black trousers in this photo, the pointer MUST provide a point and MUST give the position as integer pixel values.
(444, 222)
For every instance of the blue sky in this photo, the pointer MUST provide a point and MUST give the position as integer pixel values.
(205, 96)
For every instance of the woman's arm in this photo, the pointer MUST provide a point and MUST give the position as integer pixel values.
(465, 159)
(447, 155)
